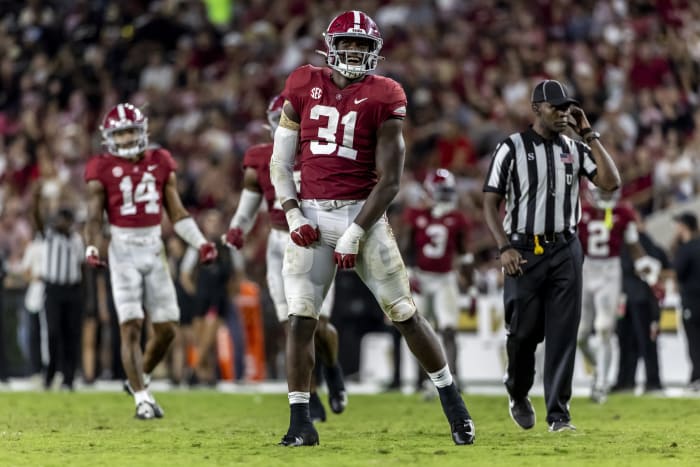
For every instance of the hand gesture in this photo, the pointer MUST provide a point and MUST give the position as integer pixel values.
(92, 257)
(511, 262)
(580, 122)
(347, 247)
(208, 253)
(234, 238)
(302, 231)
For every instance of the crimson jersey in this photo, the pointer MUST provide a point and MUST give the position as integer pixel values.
(437, 240)
(339, 127)
(133, 190)
(258, 157)
(597, 239)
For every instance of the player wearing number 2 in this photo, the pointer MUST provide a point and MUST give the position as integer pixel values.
(346, 125)
(606, 227)
(133, 184)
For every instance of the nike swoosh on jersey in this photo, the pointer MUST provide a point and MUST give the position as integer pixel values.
(360, 101)
(152, 167)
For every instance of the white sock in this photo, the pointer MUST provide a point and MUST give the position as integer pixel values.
(146, 379)
(141, 396)
(298, 397)
(604, 358)
(441, 378)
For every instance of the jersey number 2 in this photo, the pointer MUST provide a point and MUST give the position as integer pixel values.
(145, 192)
(328, 132)
(598, 239)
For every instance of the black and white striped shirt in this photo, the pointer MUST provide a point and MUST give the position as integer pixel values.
(62, 258)
(539, 179)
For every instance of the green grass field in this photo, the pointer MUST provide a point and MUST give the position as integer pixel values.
(211, 428)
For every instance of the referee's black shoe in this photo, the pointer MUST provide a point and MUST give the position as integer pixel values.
(463, 431)
(522, 412)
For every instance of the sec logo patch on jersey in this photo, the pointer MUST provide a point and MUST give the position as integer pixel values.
(117, 171)
(316, 93)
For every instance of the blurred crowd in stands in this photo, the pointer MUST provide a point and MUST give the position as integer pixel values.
(204, 71)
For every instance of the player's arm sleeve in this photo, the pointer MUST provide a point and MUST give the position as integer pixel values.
(246, 211)
(395, 103)
(499, 173)
(168, 160)
(283, 156)
(631, 233)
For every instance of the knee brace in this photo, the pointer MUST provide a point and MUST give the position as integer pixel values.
(400, 310)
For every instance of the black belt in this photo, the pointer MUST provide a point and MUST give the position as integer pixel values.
(546, 238)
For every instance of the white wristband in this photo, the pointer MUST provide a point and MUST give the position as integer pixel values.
(189, 232)
(246, 211)
(355, 232)
(295, 218)
(91, 250)
(467, 258)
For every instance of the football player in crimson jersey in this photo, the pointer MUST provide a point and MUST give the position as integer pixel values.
(606, 226)
(256, 186)
(344, 126)
(437, 236)
(133, 184)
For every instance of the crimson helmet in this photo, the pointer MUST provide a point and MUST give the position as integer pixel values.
(274, 112)
(441, 186)
(355, 24)
(125, 116)
(602, 199)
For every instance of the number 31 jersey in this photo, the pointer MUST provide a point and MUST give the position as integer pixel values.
(338, 135)
(133, 190)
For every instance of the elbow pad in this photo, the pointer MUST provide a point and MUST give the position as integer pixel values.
(189, 232)
(282, 163)
(244, 218)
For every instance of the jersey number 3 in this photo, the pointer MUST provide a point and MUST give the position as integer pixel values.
(328, 132)
(145, 192)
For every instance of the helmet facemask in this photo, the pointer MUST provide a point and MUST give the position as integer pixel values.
(353, 63)
(603, 199)
(130, 148)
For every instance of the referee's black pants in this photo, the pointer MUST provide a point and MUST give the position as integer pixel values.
(64, 310)
(544, 303)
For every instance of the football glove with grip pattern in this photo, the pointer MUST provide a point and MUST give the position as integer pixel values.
(302, 231)
(347, 247)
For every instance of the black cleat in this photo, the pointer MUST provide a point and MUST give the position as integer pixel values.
(307, 437)
(338, 400)
(316, 409)
(157, 410)
(463, 432)
(561, 425)
(127, 388)
(522, 413)
(337, 395)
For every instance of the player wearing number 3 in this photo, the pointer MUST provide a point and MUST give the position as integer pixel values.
(347, 126)
(132, 184)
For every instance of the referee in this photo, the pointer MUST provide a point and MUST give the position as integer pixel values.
(537, 173)
(61, 271)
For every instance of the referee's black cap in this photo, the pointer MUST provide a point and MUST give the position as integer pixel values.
(552, 92)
